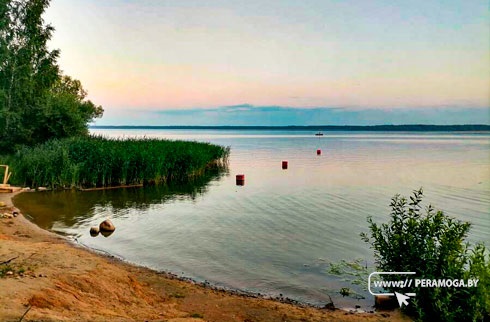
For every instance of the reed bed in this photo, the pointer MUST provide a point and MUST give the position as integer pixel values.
(95, 161)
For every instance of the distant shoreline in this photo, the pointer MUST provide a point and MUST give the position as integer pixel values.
(356, 128)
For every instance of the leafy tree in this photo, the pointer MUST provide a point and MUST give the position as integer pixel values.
(36, 102)
(67, 112)
(432, 245)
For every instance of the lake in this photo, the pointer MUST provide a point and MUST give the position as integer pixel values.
(278, 233)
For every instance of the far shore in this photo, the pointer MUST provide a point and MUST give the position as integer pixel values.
(477, 128)
(46, 277)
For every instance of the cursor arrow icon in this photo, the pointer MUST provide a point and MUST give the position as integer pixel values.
(402, 299)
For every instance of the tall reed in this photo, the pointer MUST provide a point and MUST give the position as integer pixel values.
(95, 161)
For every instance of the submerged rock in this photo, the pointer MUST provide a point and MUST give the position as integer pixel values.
(107, 226)
(94, 231)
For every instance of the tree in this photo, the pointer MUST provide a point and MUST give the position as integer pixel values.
(67, 112)
(433, 246)
(33, 93)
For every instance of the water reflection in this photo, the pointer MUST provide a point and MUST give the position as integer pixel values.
(74, 208)
(106, 233)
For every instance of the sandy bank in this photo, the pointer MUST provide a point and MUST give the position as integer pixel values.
(54, 280)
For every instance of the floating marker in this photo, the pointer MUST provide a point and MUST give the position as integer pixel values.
(318, 152)
(284, 165)
(240, 179)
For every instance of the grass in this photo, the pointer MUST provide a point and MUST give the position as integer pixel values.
(94, 161)
(5, 269)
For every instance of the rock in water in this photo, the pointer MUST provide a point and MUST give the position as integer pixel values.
(107, 225)
(106, 233)
(94, 231)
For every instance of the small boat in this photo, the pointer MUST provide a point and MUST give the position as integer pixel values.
(319, 134)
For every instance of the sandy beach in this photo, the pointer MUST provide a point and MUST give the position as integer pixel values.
(45, 277)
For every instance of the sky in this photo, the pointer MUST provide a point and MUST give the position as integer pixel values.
(278, 62)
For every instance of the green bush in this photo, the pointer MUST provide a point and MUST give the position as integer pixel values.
(432, 245)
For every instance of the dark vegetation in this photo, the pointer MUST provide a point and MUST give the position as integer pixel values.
(44, 118)
(432, 245)
(37, 102)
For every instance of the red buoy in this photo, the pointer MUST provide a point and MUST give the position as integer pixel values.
(240, 179)
(318, 152)
(284, 165)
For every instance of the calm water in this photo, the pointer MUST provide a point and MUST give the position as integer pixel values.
(278, 233)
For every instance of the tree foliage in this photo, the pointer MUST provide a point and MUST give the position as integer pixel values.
(37, 102)
(433, 246)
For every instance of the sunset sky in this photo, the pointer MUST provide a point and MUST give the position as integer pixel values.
(145, 61)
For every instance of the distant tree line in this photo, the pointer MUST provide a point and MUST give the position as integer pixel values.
(381, 128)
(37, 102)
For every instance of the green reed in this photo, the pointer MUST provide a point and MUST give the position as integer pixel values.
(95, 161)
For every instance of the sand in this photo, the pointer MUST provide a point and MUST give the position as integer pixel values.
(49, 278)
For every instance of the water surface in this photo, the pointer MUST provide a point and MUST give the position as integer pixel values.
(277, 234)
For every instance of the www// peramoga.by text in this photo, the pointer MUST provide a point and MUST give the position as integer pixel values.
(428, 283)
(446, 283)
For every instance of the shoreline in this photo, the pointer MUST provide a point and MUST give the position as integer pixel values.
(53, 279)
(485, 128)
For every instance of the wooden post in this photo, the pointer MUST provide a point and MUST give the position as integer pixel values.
(6, 176)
